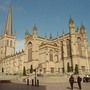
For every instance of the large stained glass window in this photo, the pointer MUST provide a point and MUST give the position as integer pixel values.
(29, 51)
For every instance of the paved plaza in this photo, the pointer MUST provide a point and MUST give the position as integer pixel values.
(50, 86)
(46, 83)
(66, 86)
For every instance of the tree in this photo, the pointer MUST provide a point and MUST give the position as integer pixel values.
(24, 71)
(76, 69)
(31, 69)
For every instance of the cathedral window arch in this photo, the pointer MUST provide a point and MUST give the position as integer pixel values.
(29, 43)
(51, 55)
(56, 58)
(29, 51)
(79, 46)
(68, 47)
(10, 43)
(52, 69)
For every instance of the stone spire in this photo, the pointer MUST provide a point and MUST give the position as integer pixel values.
(71, 21)
(8, 26)
(34, 31)
(71, 25)
(82, 27)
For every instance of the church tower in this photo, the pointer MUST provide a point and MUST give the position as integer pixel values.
(7, 39)
(72, 41)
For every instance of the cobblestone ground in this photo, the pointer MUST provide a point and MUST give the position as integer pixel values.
(66, 86)
(46, 83)
(13, 86)
(56, 86)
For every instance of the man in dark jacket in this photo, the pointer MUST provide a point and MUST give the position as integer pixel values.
(79, 79)
(71, 81)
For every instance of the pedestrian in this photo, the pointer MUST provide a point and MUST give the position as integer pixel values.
(71, 81)
(37, 83)
(27, 81)
(32, 82)
(79, 79)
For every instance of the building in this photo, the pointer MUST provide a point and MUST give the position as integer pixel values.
(47, 55)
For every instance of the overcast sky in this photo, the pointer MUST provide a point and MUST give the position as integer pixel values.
(50, 16)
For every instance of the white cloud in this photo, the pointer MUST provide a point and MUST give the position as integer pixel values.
(19, 45)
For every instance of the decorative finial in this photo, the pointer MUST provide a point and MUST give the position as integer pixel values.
(71, 21)
(57, 34)
(45, 35)
(50, 36)
(63, 32)
(27, 32)
(34, 30)
(82, 27)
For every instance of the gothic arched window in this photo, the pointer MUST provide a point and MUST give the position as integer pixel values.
(30, 51)
(56, 58)
(51, 55)
(11, 43)
(79, 46)
(30, 43)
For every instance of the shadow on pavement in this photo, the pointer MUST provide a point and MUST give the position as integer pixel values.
(73, 87)
(76, 87)
(68, 88)
(15, 86)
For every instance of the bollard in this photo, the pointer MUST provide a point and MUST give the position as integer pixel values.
(37, 83)
(32, 82)
(27, 81)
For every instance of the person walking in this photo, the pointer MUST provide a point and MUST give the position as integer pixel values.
(79, 79)
(27, 81)
(71, 81)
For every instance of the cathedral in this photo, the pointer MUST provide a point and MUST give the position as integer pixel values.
(50, 56)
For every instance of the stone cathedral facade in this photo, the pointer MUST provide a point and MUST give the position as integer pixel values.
(46, 55)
